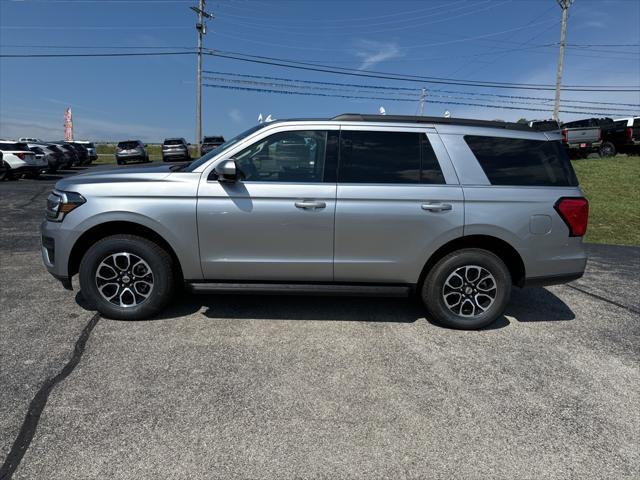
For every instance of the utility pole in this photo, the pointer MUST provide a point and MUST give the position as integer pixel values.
(564, 4)
(201, 27)
(423, 95)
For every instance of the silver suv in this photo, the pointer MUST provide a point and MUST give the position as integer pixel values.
(455, 210)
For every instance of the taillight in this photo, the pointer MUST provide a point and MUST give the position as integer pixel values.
(565, 136)
(20, 155)
(629, 132)
(574, 211)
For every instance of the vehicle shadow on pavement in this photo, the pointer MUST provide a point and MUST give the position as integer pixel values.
(537, 305)
(530, 305)
(303, 307)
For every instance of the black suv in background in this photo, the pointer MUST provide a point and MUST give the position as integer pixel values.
(81, 151)
(175, 149)
(131, 151)
(209, 143)
(72, 158)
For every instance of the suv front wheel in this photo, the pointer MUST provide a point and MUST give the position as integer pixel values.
(467, 289)
(126, 277)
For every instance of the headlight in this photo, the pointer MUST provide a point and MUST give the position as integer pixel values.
(61, 203)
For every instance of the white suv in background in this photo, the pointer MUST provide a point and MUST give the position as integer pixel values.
(21, 160)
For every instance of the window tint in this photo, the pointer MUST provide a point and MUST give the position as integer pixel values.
(174, 142)
(431, 172)
(515, 161)
(128, 145)
(379, 157)
(388, 157)
(636, 122)
(285, 157)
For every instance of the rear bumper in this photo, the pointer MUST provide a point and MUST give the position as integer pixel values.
(175, 155)
(588, 147)
(131, 157)
(27, 169)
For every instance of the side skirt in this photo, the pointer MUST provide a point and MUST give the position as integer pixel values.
(347, 289)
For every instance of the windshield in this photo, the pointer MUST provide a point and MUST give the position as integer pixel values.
(229, 143)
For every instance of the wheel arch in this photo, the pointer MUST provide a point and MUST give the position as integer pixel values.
(116, 227)
(502, 249)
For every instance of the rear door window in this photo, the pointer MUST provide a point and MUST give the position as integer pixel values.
(387, 157)
(521, 162)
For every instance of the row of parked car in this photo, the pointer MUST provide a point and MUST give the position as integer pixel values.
(605, 136)
(173, 149)
(31, 156)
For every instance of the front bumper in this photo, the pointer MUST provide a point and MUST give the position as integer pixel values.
(55, 245)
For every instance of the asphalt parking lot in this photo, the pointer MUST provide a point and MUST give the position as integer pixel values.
(232, 386)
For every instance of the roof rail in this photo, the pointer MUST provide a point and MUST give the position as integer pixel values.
(358, 117)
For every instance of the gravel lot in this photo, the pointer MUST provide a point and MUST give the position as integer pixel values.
(314, 387)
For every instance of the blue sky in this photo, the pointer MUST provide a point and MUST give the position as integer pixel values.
(153, 97)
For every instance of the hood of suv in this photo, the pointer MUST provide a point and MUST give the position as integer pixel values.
(115, 176)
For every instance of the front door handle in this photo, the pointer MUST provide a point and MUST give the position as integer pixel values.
(436, 207)
(310, 204)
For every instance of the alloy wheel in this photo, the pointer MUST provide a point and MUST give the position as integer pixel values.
(124, 279)
(469, 291)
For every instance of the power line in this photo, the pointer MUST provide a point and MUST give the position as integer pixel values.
(413, 96)
(392, 99)
(110, 54)
(341, 71)
(413, 78)
(410, 90)
(338, 20)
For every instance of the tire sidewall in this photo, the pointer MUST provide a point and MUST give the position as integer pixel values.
(156, 258)
(432, 288)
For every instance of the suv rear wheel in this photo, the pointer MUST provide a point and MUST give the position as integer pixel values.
(127, 277)
(467, 289)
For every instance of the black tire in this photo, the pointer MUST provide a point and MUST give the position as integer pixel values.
(157, 259)
(121, 162)
(607, 149)
(433, 289)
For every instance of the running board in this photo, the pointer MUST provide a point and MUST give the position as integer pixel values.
(301, 289)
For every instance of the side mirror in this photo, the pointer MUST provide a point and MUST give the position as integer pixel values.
(227, 171)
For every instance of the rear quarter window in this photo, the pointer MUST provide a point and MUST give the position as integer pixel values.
(522, 162)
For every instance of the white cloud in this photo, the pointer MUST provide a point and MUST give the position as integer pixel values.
(593, 24)
(372, 52)
(235, 115)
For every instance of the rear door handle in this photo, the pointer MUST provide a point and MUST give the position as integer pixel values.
(436, 207)
(310, 204)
